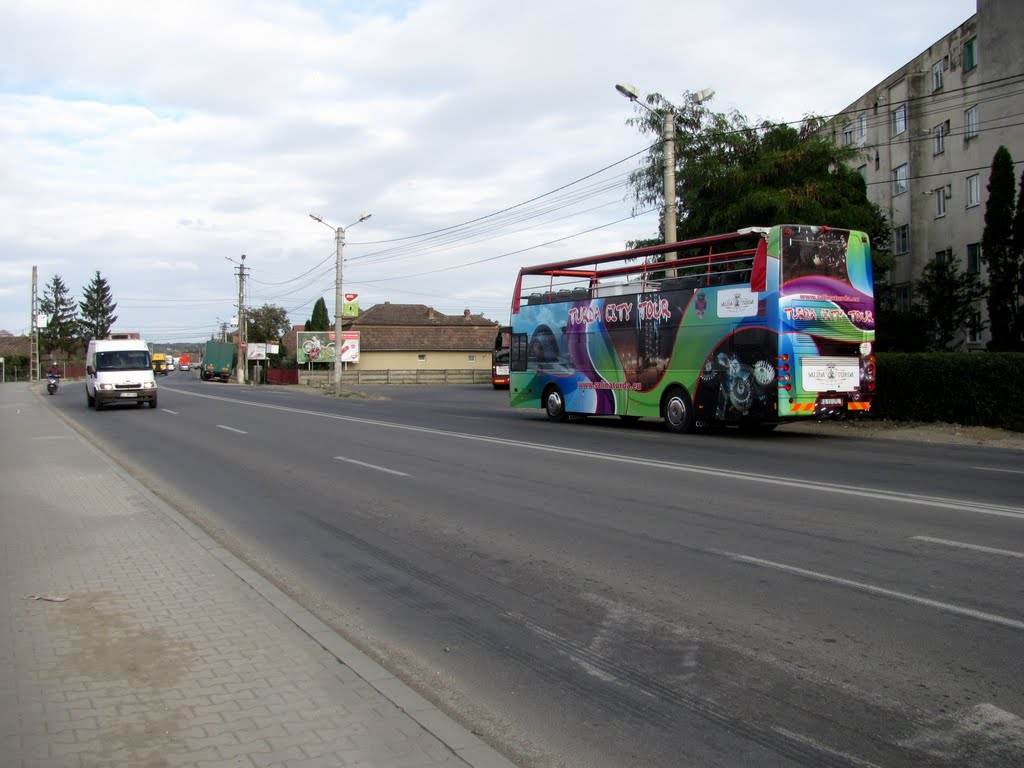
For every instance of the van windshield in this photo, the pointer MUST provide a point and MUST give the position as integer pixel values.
(123, 360)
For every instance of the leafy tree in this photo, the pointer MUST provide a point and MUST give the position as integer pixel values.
(61, 332)
(732, 174)
(997, 250)
(96, 309)
(267, 323)
(945, 297)
(320, 321)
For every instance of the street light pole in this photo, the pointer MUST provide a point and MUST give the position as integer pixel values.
(668, 140)
(339, 244)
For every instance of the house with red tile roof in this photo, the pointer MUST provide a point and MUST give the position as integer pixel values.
(411, 337)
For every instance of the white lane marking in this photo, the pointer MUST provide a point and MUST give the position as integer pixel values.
(959, 505)
(372, 466)
(964, 545)
(808, 741)
(997, 469)
(167, 410)
(926, 601)
(51, 437)
(232, 429)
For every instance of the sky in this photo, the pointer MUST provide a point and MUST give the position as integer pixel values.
(159, 141)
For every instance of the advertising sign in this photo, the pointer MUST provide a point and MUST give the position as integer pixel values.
(256, 351)
(350, 307)
(350, 346)
(314, 347)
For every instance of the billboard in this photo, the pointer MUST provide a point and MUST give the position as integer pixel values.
(350, 346)
(314, 347)
(320, 347)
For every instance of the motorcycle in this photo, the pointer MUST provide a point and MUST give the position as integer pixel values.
(51, 384)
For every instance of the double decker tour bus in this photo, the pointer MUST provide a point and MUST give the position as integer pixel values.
(752, 328)
(499, 358)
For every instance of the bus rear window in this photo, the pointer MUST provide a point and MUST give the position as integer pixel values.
(814, 251)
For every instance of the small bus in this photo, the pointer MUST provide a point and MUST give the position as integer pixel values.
(752, 328)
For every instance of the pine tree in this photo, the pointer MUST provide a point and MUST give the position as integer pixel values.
(1004, 289)
(61, 332)
(97, 309)
(320, 321)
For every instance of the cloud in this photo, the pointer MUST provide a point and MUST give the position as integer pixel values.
(153, 140)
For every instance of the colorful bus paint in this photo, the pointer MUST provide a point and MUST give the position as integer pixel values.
(756, 327)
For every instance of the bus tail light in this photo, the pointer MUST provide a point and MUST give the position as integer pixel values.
(868, 371)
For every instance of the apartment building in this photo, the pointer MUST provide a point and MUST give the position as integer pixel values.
(929, 132)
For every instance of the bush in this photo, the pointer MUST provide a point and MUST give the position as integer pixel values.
(973, 389)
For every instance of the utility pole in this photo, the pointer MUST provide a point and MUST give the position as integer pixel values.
(242, 364)
(339, 243)
(34, 329)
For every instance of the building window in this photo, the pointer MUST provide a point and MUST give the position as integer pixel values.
(940, 202)
(944, 256)
(421, 358)
(899, 179)
(974, 258)
(973, 190)
(863, 171)
(901, 240)
(902, 296)
(847, 134)
(974, 327)
(862, 127)
(471, 358)
(899, 120)
(971, 122)
(970, 54)
(939, 133)
(937, 70)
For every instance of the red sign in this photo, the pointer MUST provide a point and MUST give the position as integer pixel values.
(351, 296)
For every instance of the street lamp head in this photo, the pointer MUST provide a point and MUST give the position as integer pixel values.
(316, 217)
(627, 90)
(703, 95)
(364, 216)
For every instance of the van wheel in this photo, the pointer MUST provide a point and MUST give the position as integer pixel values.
(554, 404)
(677, 411)
(152, 404)
(90, 401)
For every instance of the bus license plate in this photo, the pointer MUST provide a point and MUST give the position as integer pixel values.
(830, 401)
(129, 394)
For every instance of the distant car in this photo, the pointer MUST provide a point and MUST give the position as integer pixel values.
(183, 367)
(170, 366)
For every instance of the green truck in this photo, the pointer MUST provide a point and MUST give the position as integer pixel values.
(218, 360)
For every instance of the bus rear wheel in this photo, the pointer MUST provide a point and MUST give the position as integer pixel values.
(554, 404)
(677, 411)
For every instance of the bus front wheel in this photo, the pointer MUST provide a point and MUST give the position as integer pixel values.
(554, 404)
(677, 411)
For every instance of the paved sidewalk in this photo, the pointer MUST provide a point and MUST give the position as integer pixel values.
(152, 646)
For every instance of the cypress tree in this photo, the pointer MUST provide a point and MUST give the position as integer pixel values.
(997, 253)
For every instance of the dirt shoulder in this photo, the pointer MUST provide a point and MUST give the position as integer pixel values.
(937, 432)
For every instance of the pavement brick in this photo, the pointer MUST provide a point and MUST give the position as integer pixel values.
(132, 669)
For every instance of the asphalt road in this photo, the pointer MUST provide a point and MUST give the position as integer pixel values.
(603, 594)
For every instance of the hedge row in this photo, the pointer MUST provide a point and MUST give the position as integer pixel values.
(975, 389)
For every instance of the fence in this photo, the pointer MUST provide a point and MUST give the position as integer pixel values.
(324, 379)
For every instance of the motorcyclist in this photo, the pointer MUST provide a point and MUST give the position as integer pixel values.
(54, 372)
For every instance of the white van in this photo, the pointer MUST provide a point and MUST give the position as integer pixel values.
(119, 371)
